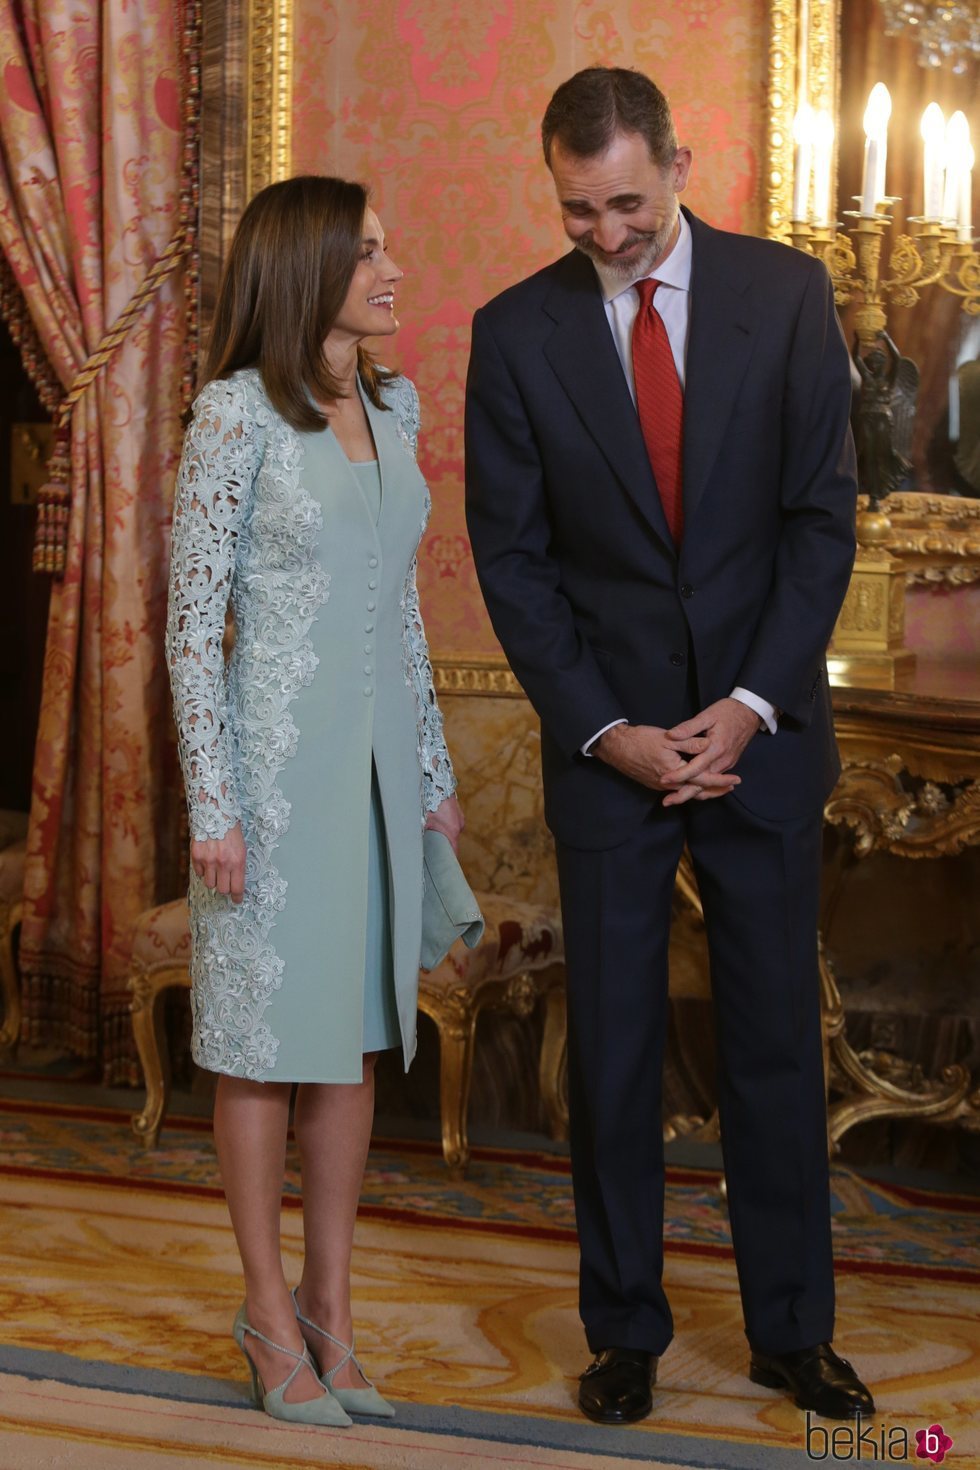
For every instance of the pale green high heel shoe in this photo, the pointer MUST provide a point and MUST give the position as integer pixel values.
(325, 1410)
(354, 1400)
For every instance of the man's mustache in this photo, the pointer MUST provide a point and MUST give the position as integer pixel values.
(635, 237)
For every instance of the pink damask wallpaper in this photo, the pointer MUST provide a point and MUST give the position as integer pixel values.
(436, 104)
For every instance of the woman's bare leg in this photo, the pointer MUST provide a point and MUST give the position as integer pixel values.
(333, 1130)
(251, 1120)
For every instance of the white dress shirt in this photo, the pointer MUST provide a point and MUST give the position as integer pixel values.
(673, 303)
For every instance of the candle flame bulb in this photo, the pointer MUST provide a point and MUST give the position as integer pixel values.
(878, 110)
(876, 115)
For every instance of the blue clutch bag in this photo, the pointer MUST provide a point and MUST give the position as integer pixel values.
(449, 909)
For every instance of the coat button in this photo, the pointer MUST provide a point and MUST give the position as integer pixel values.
(372, 584)
(369, 627)
(677, 659)
(371, 606)
(687, 590)
(368, 669)
(369, 648)
(372, 561)
(367, 689)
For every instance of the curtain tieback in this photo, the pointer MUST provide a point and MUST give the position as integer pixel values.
(51, 533)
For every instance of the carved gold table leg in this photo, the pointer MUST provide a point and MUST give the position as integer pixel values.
(868, 1092)
(552, 1068)
(10, 1031)
(149, 1034)
(879, 812)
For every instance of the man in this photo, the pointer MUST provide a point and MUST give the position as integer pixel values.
(661, 499)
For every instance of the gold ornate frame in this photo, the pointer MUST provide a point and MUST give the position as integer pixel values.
(246, 118)
(937, 537)
(802, 63)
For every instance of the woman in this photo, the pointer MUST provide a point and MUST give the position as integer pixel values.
(312, 764)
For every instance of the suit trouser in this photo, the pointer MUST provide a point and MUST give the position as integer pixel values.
(759, 885)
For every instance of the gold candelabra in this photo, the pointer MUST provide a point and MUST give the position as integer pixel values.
(868, 643)
(869, 640)
(933, 254)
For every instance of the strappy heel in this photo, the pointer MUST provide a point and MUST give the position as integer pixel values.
(354, 1400)
(326, 1409)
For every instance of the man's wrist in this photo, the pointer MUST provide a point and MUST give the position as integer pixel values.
(605, 744)
(768, 714)
(589, 749)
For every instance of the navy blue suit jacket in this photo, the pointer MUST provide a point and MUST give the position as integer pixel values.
(595, 609)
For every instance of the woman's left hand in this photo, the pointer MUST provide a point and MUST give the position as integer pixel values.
(449, 820)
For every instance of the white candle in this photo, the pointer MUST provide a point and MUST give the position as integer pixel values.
(876, 116)
(934, 136)
(957, 148)
(802, 158)
(823, 162)
(965, 231)
(870, 174)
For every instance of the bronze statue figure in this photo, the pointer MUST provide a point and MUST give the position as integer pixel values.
(883, 418)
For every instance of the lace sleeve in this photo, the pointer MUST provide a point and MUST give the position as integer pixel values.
(438, 780)
(219, 461)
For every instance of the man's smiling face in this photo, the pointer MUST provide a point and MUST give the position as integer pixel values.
(620, 207)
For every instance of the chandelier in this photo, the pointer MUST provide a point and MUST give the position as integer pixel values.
(947, 31)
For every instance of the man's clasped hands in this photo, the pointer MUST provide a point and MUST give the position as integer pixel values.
(692, 761)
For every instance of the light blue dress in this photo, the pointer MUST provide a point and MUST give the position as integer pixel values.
(381, 1030)
(322, 737)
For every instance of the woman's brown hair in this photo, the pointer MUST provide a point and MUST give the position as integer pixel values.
(288, 272)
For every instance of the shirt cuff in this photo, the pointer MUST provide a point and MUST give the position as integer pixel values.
(587, 747)
(768, 713)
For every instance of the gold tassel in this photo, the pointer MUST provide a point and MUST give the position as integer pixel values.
(54, 498)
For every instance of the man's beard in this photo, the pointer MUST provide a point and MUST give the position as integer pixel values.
(614, 270)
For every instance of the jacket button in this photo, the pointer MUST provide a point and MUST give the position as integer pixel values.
(367, 689)
(687, 590)
(369, 627)
(372, 584)
(677, 659)
(368, 669)
(372, 561)
(369, 648)
(371, 606)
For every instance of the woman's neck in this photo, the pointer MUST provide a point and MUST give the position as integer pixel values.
(342, 361)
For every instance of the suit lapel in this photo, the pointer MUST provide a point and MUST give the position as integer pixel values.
(720, 342)
(583, 356)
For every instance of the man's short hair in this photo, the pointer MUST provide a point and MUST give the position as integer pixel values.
(588, 110)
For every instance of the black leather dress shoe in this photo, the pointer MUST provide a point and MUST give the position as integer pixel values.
(615, 1389)
(818, 1380)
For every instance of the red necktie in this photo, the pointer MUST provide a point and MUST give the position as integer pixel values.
(660, 404)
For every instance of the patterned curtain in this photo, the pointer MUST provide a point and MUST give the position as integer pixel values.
(91, 157)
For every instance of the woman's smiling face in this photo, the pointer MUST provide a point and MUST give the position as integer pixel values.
(369, 307)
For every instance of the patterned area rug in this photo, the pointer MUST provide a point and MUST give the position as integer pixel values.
(119, 1279)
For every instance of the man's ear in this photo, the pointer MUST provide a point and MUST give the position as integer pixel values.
(680, 169)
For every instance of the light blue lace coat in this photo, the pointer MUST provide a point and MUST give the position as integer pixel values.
(274, 522)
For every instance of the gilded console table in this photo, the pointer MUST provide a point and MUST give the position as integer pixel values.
(910, 786)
